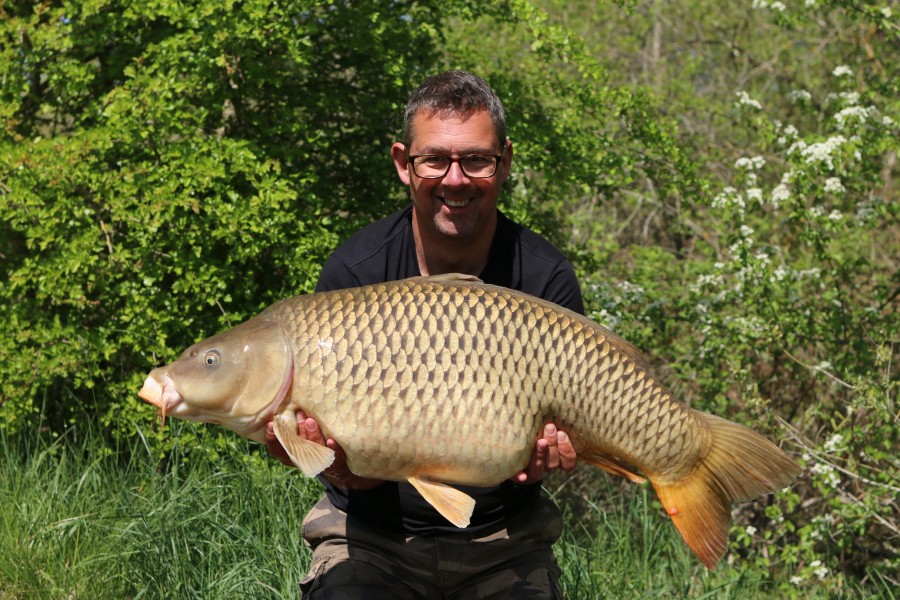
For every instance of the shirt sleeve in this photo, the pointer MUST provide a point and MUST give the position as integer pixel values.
(563, 289)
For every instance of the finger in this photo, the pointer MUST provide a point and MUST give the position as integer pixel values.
(567, 455)
(520, 477)
(552, 437)
(338, 451)
(534, 470)
(309, 429)
(339, 466)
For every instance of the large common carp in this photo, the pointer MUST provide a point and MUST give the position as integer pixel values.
(458, 379)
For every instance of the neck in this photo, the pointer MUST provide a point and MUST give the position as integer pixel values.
(448, 255)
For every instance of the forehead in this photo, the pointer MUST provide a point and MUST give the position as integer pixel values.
(453, 132)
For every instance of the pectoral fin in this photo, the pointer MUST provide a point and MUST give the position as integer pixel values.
(454, 505)
(309, 457)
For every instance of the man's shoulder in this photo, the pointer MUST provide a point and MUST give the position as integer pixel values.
(533, 245)
(380, 251)
(524, 260)
(371, 239)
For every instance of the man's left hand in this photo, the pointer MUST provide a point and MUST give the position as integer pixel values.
(551, 452)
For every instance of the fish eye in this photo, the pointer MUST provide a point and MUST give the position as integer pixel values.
(211, 358)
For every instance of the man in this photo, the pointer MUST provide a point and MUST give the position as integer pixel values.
(376, 539)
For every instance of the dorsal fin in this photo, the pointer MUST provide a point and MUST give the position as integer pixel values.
(449, 278)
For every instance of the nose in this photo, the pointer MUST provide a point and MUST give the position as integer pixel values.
(455, 175)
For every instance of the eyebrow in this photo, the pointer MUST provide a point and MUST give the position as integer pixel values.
(444, 151)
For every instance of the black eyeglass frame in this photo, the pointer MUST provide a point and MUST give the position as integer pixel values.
(412, 161)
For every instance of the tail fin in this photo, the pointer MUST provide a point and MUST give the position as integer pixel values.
(740, 465)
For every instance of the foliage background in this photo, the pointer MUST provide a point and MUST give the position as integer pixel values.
(724, 177)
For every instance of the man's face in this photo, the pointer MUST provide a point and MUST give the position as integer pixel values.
(454, 206)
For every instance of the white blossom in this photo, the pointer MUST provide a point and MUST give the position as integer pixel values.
(729, 197)
(821, 152)
(833, 185)
(780, 194)
(796, 580)
(754, 194)
(833, 442)
(788, 133)
(744, 99)
(886, 12)
(853, 112)
(750, 164)
(842, 70)
(631, 288)
(864, 211)
(750, 530)
(779, 6)
(780, 273)
(835, 216)
(828, 473)
(798, 96)
(799, 145)
(850, 97)
(606, 318)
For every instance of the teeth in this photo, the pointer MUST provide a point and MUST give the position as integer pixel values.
(455, 203)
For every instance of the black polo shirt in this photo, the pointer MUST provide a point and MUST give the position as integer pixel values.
(385, 251)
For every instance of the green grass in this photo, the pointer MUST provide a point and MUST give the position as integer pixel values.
(88, 522)
(80, 519)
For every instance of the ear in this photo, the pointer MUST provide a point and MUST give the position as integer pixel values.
(505, 162)
(398, 153)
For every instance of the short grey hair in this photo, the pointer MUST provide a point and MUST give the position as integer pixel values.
(454, 93)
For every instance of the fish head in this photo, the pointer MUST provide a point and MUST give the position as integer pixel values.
(237, 378)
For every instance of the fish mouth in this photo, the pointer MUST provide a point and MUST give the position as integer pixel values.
(163, 395)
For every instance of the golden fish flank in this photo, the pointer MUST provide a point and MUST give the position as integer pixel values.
(436, 364)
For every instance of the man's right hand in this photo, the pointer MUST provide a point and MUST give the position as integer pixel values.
(338, 473)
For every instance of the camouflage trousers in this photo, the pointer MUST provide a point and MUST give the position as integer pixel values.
(353, 561)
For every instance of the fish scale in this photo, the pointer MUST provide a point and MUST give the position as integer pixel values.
(445, 380)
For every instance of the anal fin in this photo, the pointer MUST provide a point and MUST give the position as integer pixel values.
(309, 457)
(610, 464)
(454, 505)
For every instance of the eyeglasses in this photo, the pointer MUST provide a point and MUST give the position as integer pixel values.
(435, 166)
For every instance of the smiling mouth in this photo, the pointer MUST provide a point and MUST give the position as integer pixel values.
(455, 203)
